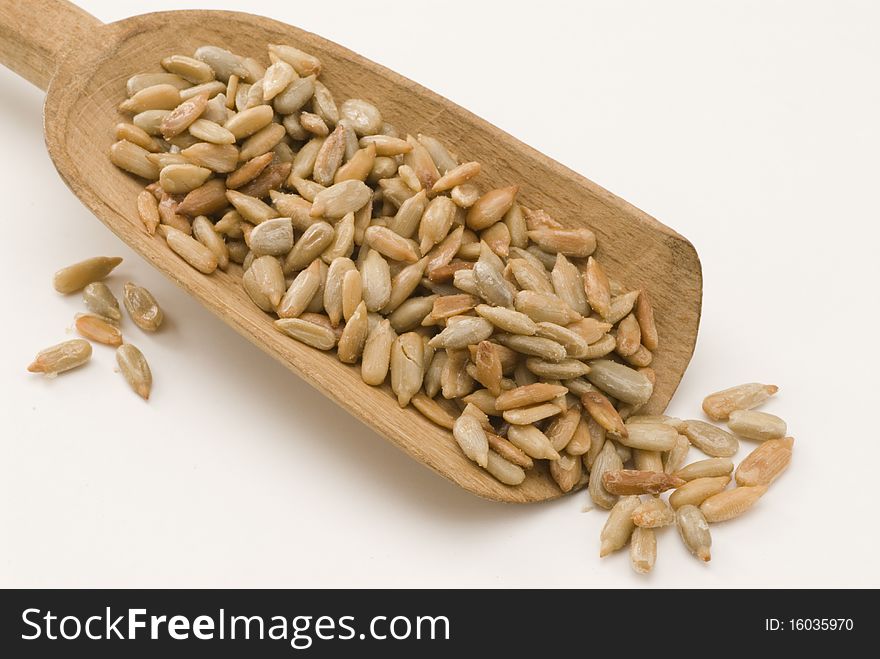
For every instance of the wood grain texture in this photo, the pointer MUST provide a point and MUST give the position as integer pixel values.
(80, 113)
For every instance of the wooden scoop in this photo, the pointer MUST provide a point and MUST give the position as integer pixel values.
(84, 65)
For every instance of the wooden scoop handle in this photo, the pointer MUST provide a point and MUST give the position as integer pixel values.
(34, 33)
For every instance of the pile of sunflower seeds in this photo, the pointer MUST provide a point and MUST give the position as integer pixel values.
(490, 318)
(658, 446)
(102, 323)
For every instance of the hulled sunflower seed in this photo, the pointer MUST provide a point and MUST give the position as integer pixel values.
(142, 307)
(310, 246)
(532, 442)
(719, 405)
(653, 513)
(622, 382)
(190, 250)
(263, 281)
(377, 353)
(760, 426)
(696, 491)
(504, 470)
(708, 468)
(643, 550)
(565, 369)
(62, 357)
(354, 336)
(731, 503)
(633, 481)
(677, 455)
(764, 465)
(491, 207)
(711, 440)
(99, 299)
(273, 237)
(301, 291)
(567, 471)
(204, 232)
(97, 328)
(79, 275)
(619, 526)
(312, 334)
(468, 331)
(471, 437)
(407, 367)
(544, 307)
(531, 414)
(694, 531)
(601, 409)
(135, 369)
(605, 460)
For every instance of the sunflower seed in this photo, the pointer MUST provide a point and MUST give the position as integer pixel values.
(619, 525)
(545, 307)
(209, 131)
(97, 328)
(711, 440)
(133, 158)
(303, 63)
(180, 118)
(605, 459)
(562, 428)
(465, 195)
(565, 369)
(531, 414)
(354, 336)
(220, 158)
(222, 62)
(567, 471)
(190, 250)
(533, 345)
(647, 460)
(272, 237)
(653, 513)
(377, 353)
(310, 245)
(142, 307)
(352, 293)
(532, 442)
(79, 275)
(711, 467)
(504, 470)
(676, 456)
(262, 141)
(304, 287)
(143, 80)
(696, 491)
(622, 382)
(471, 437)
(601, 409)
(249, 121)
(62, 357)
(581, 439)
(764, 465)
(756, 425)
(100, 300)
(312, 334)
(134, 367)
(731, 503)
(138, 136)
(156, 97)
(643, 550)
(490, 208)
(263, 281)
(532, 394)
(148, 211)
(694, 531)
(633, 481)
(468, 331)
(719, 405)
(650, 436)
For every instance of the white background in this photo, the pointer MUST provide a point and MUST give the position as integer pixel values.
(750, 127)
